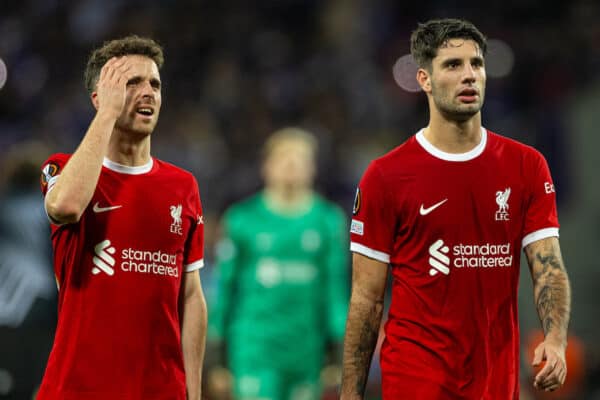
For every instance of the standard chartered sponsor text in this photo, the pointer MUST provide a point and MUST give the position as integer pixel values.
(150, 262)
(482, 256)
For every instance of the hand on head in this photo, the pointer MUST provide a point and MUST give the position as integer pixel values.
(112, 85)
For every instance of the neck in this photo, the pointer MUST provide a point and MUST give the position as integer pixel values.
(287, 199)
(453, 136)
(127, 149)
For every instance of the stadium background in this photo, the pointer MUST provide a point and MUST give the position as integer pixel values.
(237, 70)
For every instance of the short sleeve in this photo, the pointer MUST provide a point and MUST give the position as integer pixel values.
(372, 225)
(194, 252)
(51, 169)
(541, 218)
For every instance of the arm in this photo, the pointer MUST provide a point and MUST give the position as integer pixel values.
(77, 182)
(552, 296)
(193, 333)
(362, 328)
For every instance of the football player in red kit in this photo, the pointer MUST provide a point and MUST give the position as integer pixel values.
(449, 211)
(127, 233)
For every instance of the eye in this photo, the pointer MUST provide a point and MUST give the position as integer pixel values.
(477, 63)
(133, 82)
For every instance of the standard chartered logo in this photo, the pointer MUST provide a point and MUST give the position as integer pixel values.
(486, 255)
(133, 260)
(438, 258)
(103, 260)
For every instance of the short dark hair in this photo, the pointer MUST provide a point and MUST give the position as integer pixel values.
(431, 35)
(132, 44)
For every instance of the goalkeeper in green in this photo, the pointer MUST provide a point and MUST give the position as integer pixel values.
(282, 279)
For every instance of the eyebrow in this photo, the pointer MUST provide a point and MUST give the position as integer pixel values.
(452, 60)
(138, 78)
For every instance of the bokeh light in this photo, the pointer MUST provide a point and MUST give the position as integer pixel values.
(3, 73)
(500, 59)
(405, 73)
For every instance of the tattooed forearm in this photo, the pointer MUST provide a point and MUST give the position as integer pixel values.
(552, 292)
(362, 330)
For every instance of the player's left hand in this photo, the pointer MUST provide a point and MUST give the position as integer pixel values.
(553, 373)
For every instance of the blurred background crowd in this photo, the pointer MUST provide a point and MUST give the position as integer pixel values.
(236, 70)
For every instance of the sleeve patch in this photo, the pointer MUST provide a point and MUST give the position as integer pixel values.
(357, 227)
(49, 171)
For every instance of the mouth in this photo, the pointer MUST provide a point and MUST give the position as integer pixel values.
(145, 110)
(468, 95)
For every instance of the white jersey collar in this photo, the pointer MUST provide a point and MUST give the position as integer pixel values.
(126, 169)
(469, 155)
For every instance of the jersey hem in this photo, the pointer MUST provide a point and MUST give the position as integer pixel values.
(195, 265)
(366, 251)
(539, 235)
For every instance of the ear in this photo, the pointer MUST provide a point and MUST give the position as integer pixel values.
(424, 79)
(94, 98)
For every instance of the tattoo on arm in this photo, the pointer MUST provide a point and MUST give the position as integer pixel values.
(552, 292)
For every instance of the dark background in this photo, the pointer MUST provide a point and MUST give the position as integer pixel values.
(235, 71)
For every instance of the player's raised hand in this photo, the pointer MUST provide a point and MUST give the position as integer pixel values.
(112, 85)
(553, 373)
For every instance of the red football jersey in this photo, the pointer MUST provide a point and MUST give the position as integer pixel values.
(119, 273)
(452, 227)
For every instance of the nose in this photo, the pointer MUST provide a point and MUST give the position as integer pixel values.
(147, 89)
(469, 73)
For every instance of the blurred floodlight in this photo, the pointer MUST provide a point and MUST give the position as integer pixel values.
(3, 73)
(500, 59)
(405, 73)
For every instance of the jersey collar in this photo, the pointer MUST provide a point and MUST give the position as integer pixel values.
(126, 169)
(469, 155)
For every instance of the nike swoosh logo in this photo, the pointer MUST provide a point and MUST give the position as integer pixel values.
(98, 209)
(425, 211)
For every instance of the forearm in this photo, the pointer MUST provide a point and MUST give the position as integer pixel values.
(552, 291)
(193, 337)
(362, 331)
(77, 182)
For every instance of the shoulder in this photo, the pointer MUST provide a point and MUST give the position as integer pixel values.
(399, 162)
(515, 148)
(243, 207)
(407, 149)
(51, 168)
(173, 171)
(59, 159)
(238, 216)
(328, 207)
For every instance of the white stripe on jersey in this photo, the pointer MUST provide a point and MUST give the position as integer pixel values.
(365, 251)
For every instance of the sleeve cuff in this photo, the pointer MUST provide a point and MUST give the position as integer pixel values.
(539, 235)
(195, 265)
(366, 251)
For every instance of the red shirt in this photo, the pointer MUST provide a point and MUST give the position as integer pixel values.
(119, 273)
(452, 227)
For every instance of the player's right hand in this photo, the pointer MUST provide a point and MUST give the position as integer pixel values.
(111, 89)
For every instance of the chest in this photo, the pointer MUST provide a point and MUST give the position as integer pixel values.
(467, 200)
(150, 213)
(283, 238)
